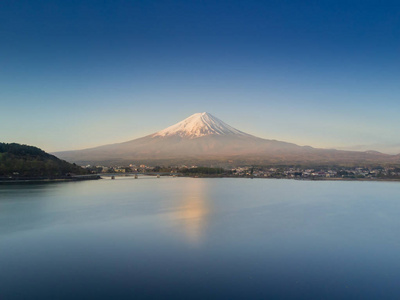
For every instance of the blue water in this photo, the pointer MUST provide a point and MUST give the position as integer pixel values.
(192, 238)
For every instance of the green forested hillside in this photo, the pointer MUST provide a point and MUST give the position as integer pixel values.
(18, 160)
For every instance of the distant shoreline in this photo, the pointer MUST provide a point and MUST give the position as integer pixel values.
(49, 179)
(257, 177)
(302, 179)
(97, 177)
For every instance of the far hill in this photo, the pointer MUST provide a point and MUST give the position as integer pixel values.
(206, 140)
(24, 161)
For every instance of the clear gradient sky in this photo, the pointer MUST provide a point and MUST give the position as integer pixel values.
(76, 74)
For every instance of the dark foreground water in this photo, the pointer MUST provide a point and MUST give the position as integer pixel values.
(185, 238)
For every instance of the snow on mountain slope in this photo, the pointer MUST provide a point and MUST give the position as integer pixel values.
(198, 125)
(204, 138)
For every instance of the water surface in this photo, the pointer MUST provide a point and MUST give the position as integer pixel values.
(193, 238)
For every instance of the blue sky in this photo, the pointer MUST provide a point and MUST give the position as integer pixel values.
(76, 74)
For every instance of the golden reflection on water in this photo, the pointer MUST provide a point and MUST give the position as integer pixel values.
(193, 211)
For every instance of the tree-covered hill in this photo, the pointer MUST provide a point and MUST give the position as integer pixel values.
(18, 160)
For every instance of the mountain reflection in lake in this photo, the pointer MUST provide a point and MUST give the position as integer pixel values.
(199, 238)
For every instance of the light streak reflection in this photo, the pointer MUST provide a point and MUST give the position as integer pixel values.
(192, 214)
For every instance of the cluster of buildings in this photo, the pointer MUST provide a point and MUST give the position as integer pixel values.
(358, 172)
(265, 172)
(119, 169)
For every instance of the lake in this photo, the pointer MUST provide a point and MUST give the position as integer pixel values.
(195, 238)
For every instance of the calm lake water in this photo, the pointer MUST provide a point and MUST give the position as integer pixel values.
(188, 238)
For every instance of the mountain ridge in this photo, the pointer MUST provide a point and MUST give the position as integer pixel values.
(22, 161)
(206, 139)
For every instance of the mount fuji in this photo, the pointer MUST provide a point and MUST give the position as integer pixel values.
(199, 125)
(205, 139)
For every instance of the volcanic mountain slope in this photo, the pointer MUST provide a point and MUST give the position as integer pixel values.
(203, 138)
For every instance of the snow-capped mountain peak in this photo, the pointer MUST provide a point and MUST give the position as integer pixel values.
(198, 125)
